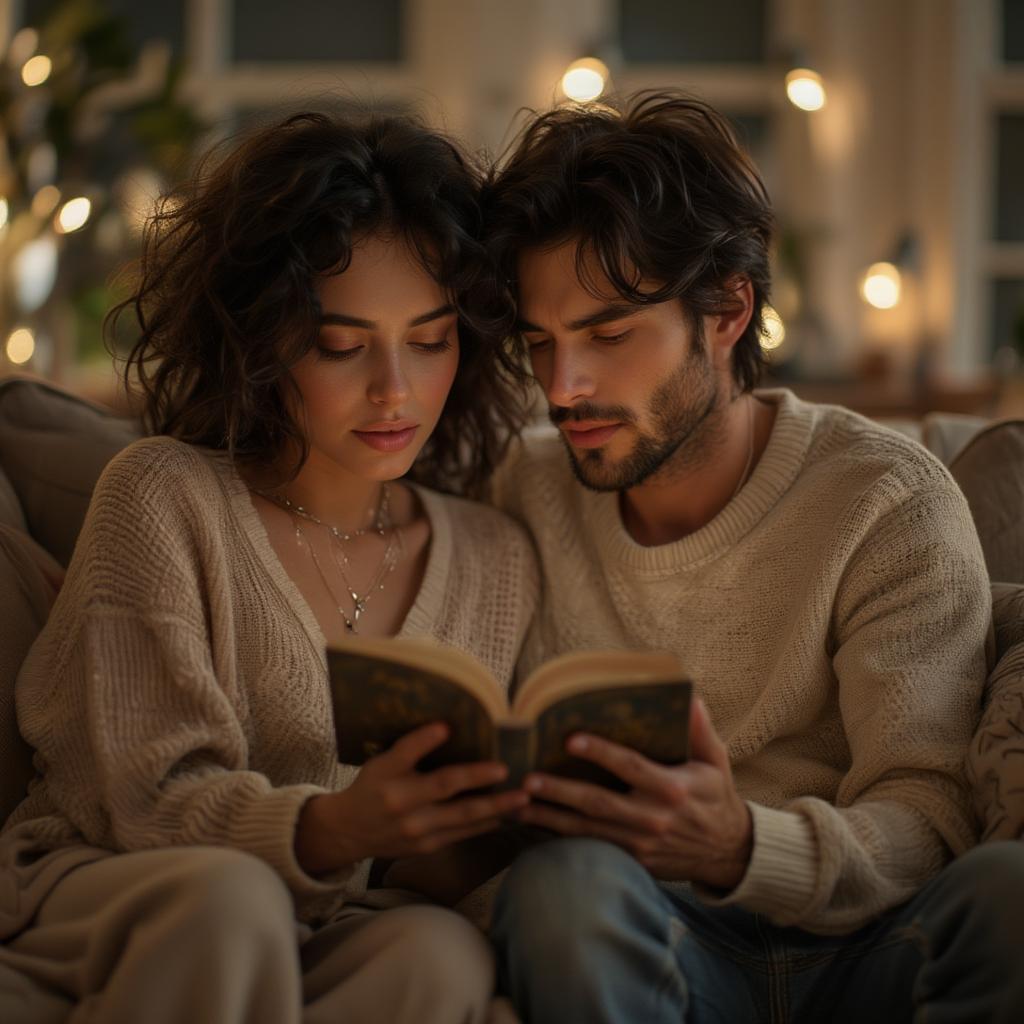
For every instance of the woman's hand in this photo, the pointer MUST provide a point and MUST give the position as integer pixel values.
(393, 811)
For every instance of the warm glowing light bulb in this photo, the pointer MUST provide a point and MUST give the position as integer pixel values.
(584, 80)
(73, 215)
(45, 201)
(36, 70)
(4, 212)
(882, 286)
(21, 344)
(805, 89)
(774, 333)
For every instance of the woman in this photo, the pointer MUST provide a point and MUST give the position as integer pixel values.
(316, 321)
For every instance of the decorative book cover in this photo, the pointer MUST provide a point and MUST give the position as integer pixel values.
(383, 689)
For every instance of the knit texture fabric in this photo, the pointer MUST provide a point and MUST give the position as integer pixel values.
(178, 693)
(834, 618)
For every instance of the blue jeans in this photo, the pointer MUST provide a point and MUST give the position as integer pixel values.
(583, 933)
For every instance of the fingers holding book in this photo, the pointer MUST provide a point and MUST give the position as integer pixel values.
(392, 810)
(682, 822)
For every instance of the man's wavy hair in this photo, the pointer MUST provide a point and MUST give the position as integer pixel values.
(225, 297)
(655, 189)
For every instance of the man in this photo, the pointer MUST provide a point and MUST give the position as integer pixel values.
(820, 578)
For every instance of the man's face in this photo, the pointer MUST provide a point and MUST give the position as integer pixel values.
(632, 388)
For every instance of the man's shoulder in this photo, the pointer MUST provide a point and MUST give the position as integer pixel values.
(864, 454)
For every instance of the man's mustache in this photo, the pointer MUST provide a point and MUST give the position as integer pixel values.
(587, 411)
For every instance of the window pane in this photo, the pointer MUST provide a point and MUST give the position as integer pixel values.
(1013, 30)
(245, 119)
(318, 30)
(1008, 314)
(143, 22)
(1009, 211)
(652, 31)
(752, 131)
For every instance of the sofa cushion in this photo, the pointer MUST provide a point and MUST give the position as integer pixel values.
(990, 472)
(10, 507)
(29, 580)
(53, 447)
(946, 434)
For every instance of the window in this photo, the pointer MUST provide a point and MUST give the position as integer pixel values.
(317, 30)
(724, 31)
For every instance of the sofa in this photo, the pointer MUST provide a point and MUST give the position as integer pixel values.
(54, 445)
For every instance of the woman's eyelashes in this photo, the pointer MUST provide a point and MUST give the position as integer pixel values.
(431, 347)
(338, 353)
(426, 347)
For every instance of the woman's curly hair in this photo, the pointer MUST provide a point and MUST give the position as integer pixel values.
(226, 302)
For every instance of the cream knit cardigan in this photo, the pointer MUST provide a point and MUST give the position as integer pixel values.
(833, 615)
(178, 693)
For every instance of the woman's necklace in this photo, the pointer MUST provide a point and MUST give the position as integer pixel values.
(337, 539)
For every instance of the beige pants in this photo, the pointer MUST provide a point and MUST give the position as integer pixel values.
(203, 935)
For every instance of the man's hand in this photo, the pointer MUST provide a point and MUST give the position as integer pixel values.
(683, 823)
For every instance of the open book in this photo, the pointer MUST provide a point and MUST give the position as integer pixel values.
(384, 688)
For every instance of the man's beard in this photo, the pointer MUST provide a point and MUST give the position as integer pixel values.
(681, 413)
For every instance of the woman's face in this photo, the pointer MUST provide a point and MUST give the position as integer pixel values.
(374, 385)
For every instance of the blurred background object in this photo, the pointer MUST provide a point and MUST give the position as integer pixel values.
(890, 134)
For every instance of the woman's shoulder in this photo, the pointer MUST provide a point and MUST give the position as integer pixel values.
(158, 466)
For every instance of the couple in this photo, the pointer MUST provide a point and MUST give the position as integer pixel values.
(325, 317)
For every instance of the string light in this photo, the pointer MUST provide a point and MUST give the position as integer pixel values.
(36, 70)
(805, 89)
(73, 215)
(21, 345)
(584, 80)
(774, 332)
(882, 285)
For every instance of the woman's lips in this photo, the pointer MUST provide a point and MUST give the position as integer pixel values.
(590, 437)
(387, 440)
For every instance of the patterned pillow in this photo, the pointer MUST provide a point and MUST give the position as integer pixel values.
(995, 761)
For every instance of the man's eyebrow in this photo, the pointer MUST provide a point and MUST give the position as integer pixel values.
(613, 311)
(343, 320)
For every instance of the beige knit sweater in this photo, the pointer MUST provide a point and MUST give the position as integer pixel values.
(178, 694)
(834, 617)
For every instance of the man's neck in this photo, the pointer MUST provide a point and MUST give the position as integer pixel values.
(678, 501)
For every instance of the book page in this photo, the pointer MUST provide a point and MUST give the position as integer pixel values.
(583, 671)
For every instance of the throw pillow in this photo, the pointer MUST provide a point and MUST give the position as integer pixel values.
(10, 507)
(29, 580)
(53, 447)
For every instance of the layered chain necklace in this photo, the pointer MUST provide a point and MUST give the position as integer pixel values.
(338, 540)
